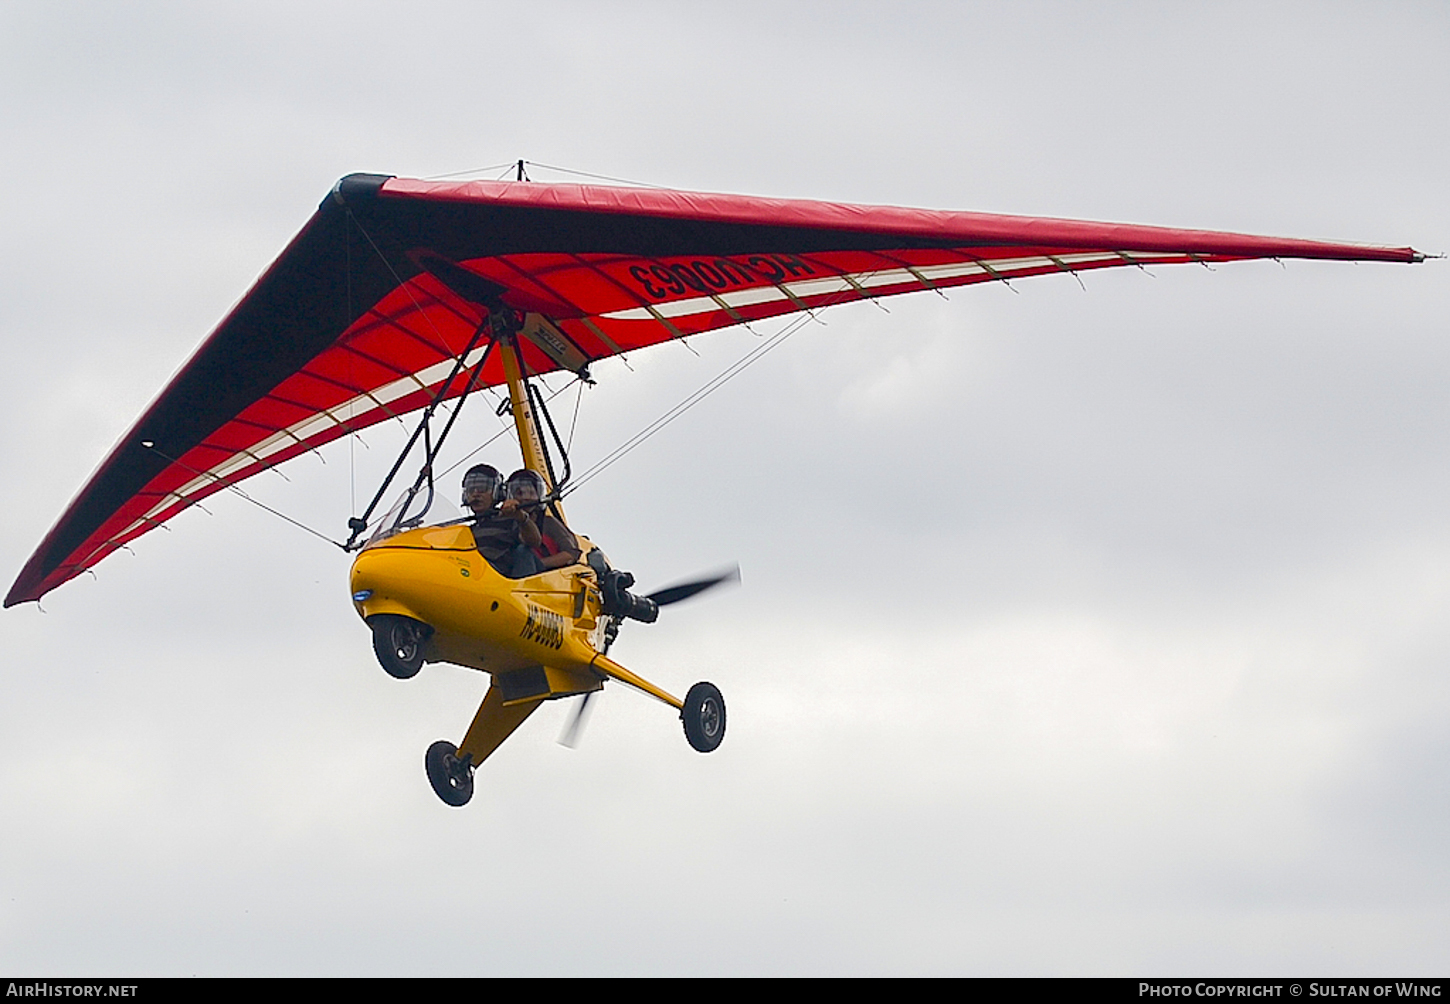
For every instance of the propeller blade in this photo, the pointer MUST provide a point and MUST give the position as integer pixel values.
(685, 590)
(574, 731)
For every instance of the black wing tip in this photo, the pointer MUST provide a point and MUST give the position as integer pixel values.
(360, 185)
(29, 586)
(19, 595)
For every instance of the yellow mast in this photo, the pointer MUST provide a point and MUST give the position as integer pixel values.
(525, 421)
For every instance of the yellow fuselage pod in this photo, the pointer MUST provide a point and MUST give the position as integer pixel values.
(537, 635)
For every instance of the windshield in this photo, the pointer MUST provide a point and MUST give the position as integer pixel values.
(396, 520)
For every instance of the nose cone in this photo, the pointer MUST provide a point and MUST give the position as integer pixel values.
(388, 580)
(415, 575)
(362, 585)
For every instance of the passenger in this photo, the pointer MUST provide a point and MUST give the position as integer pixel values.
(549, 539)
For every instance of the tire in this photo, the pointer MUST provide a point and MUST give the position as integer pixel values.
(704, 717)
(398, 644)
(452, 779)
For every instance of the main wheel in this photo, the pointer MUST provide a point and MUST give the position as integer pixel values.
(398, 644)
(704, 717)
(452, 778)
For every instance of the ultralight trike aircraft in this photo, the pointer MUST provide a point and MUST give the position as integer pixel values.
(400, 295)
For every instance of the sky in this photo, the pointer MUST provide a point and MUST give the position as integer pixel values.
(1088, 628)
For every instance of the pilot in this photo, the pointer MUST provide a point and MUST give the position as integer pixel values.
(549, 539)
(497, 529)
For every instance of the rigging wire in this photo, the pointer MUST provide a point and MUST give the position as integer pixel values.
(360, 523)
(148, 444)
(405, 287)
(536, 401)
(513, 165)
(471, 170)
(578, 398)
(508, 428)
(712, 385)
(708, 388)
(586, 174)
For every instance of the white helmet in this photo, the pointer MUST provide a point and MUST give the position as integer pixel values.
(522, 477)
(484, 480)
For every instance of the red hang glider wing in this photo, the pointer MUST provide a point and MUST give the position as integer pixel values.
(364, 314)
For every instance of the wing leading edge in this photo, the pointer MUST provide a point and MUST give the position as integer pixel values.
(362, 316)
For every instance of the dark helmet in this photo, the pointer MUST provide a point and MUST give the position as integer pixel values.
(524, 476)
(484, 480)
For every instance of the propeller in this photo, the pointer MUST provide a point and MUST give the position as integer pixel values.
(574, 731)
(685, 590)
(619, 602)
(644, 608)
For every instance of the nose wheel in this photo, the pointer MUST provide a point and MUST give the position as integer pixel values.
(450, 775)
(398, 644)
(704, 717)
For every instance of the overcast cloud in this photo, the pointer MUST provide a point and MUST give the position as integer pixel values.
(1092, 629)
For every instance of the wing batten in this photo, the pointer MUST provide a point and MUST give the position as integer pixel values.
(357, 321)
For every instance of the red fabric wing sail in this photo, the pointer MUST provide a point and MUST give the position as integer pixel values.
(364, 314)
